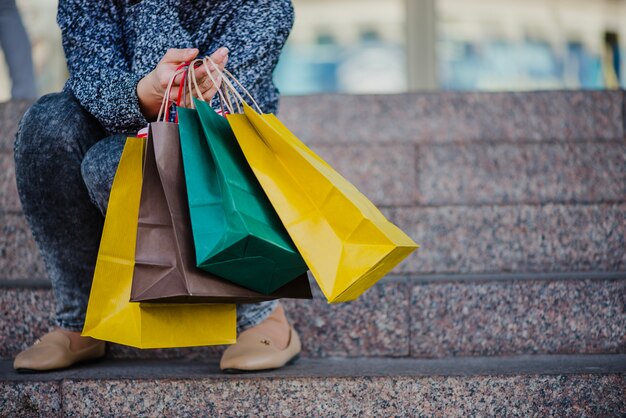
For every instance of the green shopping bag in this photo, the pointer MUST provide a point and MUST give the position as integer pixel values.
(236, 232)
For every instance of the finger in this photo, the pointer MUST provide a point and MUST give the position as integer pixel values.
(176, 56)
(210, 93)
(210, 83)
(201, 71)
(220, 55)
(195, 85)
(208, 96)
(173, 96)
(198, 71)
(220, 65)
(205, 82)
(215, 74)
(219, 58)
(164, 76)
(198, 77)
(178, 80)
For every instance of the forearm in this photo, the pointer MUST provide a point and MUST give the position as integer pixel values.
(113, 103)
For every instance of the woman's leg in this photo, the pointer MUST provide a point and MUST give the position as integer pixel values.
(52, 140)
(252, 314)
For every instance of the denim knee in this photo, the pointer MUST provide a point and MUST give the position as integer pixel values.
(98, 169)
(56, 123)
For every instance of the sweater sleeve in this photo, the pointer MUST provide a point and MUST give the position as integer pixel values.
(99, 74)
(255, 36)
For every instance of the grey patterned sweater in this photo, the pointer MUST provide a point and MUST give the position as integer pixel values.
(111, 44)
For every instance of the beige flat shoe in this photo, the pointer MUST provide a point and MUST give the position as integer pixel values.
(53, 352)
(255, 352)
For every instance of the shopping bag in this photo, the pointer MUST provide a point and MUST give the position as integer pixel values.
(165, 269)
(345, 240)
(237, 234)
(110, 316)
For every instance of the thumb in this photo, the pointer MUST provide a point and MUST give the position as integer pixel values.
(174, 55)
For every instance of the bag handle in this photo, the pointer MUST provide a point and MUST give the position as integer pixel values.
(227, 77)
(223, 91)
(166, 97)
(194, 83)
(189, 80)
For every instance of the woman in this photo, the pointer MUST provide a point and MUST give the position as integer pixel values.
(120, 56)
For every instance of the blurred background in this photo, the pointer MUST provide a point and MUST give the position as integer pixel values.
(392, 46)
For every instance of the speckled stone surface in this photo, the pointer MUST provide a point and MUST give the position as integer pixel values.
(9, 200)
(433, 117)
(458, 174)
(469, 318)
(19, 256)
(544, 365)
(456, 116)
(25, 315)
(376, 325)
(519, 317)
(516, 238)
(384, 173)
(30, 399)
(10, 115)
(190, 353)
(453, 239)
(485, 386)
(529, 173)
(561, 396)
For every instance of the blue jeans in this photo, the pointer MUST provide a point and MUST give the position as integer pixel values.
(65, 164)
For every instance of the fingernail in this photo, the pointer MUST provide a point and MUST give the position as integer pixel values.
(223, 51)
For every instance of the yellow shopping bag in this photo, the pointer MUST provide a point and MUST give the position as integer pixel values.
(110, 315)
(345, 240)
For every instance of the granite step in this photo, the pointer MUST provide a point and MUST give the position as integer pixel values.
(447, 148)
(485, 182)
(463, 117)
(474, 239)
(559, 386)
(438, 117)
(406, 175)
(434, 316)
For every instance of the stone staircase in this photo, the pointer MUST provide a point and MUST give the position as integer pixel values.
(515, 305)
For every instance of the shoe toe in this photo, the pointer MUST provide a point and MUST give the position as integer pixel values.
(254, 352)
(44, 357)
(53, 352)
(243, 358)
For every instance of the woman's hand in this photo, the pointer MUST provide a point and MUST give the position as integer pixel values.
(151, 88)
